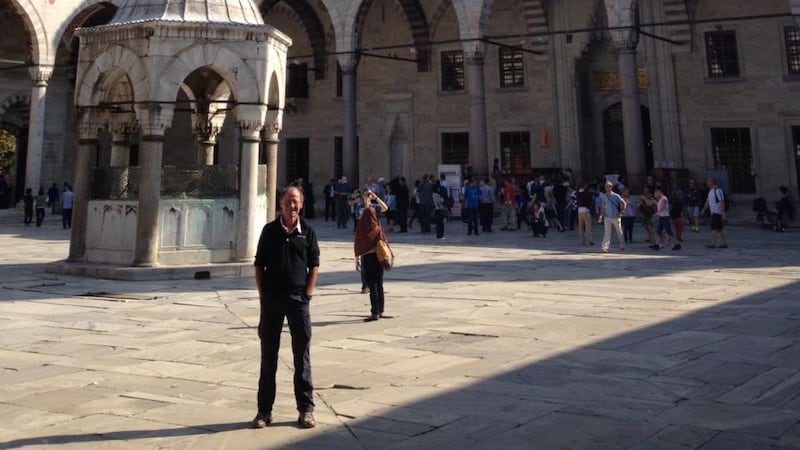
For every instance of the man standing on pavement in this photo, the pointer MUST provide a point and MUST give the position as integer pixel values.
(611, 207)
(286, 268)
(715, 203)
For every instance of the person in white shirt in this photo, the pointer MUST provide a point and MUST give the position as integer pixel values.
(715, 204)
(664, 224)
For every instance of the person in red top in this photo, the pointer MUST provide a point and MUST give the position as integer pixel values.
(368, 233)
(508, 200)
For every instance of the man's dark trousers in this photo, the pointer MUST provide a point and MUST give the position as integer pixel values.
(330, 208)
(296, 310)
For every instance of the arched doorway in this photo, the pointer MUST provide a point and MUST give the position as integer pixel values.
(614, 139)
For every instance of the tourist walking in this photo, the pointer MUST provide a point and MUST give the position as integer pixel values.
(486, 206)
(664, 223)
(585, 206)
(472, 195)
(611, 207)
(715, 204)
(647, 210)
(342, 202)
(694, 202)
(439, 208)
(329, 191)
(628, 216)
(52, 198)
(41, 203)
(28, 201)
(67, 199)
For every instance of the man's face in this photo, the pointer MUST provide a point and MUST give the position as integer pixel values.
(291, 204)
(608, 187)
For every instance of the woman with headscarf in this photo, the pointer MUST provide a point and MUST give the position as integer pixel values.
(368, 233)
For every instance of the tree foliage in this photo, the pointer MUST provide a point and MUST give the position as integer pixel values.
(8, 147)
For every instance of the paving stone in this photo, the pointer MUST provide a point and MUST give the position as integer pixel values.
(497, 343)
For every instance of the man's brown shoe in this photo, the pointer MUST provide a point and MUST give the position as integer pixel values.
(261, 420)
(306, 420)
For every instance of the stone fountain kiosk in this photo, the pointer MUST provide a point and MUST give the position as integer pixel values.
(176, 72)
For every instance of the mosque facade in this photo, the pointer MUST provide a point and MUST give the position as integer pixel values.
(398, 87)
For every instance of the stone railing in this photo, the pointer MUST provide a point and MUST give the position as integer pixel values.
(122, 183)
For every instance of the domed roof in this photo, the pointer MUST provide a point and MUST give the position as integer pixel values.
(243, 12)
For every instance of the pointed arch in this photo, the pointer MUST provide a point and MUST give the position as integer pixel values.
(34, 30)
(98, 78)
(416, 20)
(230, 66)
(313, 25)
(16, 105)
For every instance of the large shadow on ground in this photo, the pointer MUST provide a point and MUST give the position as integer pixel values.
(724, 377)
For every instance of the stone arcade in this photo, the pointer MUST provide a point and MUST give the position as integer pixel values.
(176, 65)
(386, 87)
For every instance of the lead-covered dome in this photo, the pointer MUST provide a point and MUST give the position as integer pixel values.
(243, 12)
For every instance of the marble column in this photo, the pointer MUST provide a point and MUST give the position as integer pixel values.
(207, 129)
(33, 166)
(151, 148)
(635, 168)
(248, 191)
(271, 142)
(121, 129)
(205, 151)
(622, 18)
(349, 65)
(88, 127)
(153, 118)
(564, 55)
(476, 87)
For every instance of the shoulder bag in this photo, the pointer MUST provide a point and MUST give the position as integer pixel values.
(385, 255)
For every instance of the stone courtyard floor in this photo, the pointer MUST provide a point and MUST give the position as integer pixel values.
(499, 341)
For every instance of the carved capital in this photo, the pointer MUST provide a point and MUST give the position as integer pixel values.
(250, 119)
(122, 126)
(154, 118)
(89, 123)
(348, 63)
(474, 52)
(250, 129)
(623, 20)
(207, 127)
(40, 74)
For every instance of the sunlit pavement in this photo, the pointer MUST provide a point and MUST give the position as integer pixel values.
(498, 341)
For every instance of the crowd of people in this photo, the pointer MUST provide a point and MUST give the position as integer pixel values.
(543, 204)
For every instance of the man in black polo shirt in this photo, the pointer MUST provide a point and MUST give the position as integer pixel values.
(286, 266)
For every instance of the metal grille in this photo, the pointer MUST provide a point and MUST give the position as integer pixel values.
(453, 71)
(792, 36)
(722, 54)
(455, 148)
(733, 151)
(516, 152)
(512, 67)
